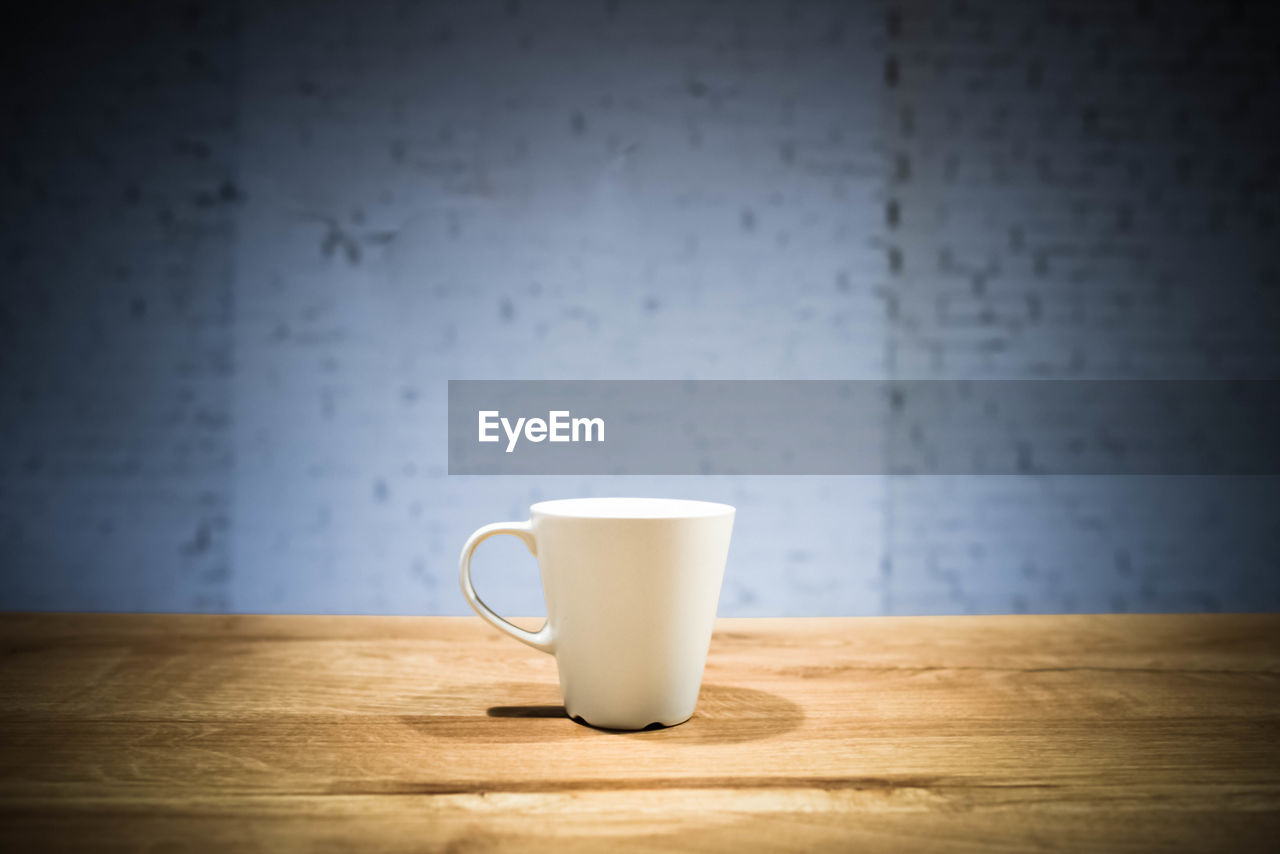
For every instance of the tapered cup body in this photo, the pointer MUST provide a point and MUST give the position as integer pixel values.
(632, 587)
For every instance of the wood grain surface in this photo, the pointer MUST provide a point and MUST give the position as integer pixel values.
(127, 732)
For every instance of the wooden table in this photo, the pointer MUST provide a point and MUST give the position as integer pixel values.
(369, 734)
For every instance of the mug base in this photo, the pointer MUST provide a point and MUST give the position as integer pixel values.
(646, 728)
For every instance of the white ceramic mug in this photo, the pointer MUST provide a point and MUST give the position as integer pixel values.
(632, 586)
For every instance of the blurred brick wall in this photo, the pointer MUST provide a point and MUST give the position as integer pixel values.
(117, 203)
(521, 191)
(243, 252)
(1081, 190)
(408, 193)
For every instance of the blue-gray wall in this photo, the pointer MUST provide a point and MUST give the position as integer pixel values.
(245, 247)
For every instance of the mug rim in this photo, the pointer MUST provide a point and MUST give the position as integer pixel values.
(618, 507)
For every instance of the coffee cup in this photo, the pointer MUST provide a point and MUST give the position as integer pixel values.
(631, 587)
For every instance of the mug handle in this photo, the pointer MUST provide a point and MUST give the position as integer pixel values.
(541, 639)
